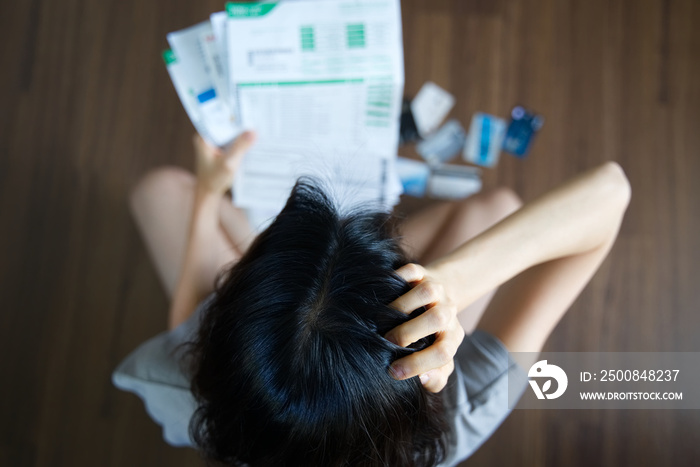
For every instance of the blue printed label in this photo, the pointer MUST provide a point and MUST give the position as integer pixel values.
(206, 96)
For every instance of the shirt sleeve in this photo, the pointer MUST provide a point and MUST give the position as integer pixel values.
(154, 373)
(477, 394)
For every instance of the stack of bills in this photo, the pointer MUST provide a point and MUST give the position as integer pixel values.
(321, 82)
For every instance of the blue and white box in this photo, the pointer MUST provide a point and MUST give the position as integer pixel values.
(483, 146)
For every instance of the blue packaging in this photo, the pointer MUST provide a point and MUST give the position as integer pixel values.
(522, 128)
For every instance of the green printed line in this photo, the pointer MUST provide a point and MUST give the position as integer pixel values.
(307, 38)
(249, 10)
(355, 34)
(377, 113)
(379, 104)
(302, 83)
(377, 123)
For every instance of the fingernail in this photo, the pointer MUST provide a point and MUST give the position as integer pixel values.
(397, 372)
(424, 378)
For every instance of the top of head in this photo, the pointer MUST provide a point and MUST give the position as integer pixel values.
(290, 366)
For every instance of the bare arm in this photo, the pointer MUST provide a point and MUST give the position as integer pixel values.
(545, 253)
(203, 228)
(580, 216)
(215, 170)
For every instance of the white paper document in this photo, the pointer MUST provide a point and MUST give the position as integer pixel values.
(321, 83)
(195, 84)
(218, 26)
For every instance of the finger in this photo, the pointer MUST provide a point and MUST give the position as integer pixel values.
(434, 356)
(199, 144)
(436, 380)
(411, 272)
(423, 294)
(436, 319)
(204, 149)
(241, 144)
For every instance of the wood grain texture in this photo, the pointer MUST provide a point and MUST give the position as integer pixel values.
(88, 107)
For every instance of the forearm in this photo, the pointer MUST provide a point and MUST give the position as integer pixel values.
(575, 217)
(202, 230)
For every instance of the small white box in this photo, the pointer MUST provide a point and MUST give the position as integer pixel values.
(430, 107)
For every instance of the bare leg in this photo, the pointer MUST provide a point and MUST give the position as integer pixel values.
(161, 203)
(526, 309)
(421, 230)
(439, 229)
(235, 225)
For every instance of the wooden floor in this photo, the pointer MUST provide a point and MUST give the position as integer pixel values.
(87, 107)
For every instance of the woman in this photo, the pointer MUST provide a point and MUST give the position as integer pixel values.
(324, 344)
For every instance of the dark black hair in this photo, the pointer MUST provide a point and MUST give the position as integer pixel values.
(290, 366)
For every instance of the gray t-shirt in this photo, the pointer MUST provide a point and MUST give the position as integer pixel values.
(476, 395)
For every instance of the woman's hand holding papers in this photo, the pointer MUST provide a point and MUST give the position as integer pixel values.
(216, 167)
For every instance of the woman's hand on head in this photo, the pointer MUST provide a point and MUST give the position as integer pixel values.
(215, 167)
(435, 363)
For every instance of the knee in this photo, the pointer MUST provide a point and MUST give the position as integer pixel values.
(502, 200)
(161, 181)
(489, 206)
